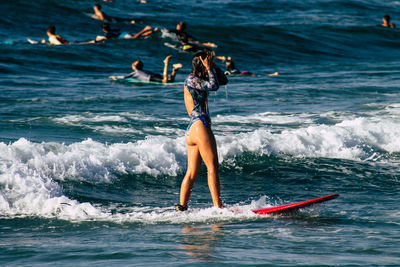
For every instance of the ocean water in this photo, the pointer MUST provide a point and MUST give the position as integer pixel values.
(90, 169)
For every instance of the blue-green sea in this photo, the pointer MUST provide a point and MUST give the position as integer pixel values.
(90, 169)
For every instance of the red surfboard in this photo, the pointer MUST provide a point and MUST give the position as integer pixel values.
(294, 206)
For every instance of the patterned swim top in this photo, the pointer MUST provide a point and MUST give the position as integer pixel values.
(199, 89)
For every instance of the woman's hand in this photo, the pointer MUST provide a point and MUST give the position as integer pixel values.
(208, 61)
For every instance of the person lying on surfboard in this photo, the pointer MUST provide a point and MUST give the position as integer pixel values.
(189, 43)
(110, 33)
(231, 69)
(100, 15)
(54, 39)
(200, 140)
(147, 76)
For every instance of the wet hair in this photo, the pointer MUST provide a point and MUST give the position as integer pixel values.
(230, 65)
(183, 25)
(198, 68)
(184, 38)
(106, 27)
(98, 6)
(386, 17)
(138, 64)
(51, 29)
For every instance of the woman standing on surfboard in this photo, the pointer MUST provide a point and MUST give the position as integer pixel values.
(199, 137)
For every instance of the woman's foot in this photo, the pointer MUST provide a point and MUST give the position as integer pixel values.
(147, 28)
(166, 60)
(181, 208)
(177, 66)
(274, 74)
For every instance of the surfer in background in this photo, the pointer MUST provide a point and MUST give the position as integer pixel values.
(189, 43)
(200, 140)
(148, 76)
(115, 33)
(100, 15)
(386, 22)
(54, 39)
(231, 69)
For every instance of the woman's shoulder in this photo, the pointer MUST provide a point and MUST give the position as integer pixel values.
(191, 79)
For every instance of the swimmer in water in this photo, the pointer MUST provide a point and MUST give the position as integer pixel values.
(148, 76)
(386, 22)
(232, 70)
(200, 140)
(189, 42)
(111, 33)
(54, 39)
(100, 15)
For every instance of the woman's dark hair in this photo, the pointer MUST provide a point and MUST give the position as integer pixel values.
(139, 64)
(230, 65)
(387, 18)
(51, 29)
(198, 69)
(183, 25)
(106, 27)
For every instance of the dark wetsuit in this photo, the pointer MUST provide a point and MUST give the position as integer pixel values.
(190, 44)
(199, 89)
(184, 37)
(113, 33)
(145, 76)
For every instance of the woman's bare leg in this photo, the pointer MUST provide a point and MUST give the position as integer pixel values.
(175, 68)
(165, 72)
(194, 163)
(205, 141)
(142, 32)
(150, 32)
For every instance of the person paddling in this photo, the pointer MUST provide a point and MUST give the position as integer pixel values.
(147, 76)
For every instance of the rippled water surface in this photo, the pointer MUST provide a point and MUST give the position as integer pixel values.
(90, 169)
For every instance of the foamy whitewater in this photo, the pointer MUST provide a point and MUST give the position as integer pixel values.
(31, 172)
(91, 169)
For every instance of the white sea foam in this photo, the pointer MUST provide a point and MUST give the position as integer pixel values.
(267, 117)
(349, 139)
(118, 123)
(89, 117)
(30, 172)
(116, 130)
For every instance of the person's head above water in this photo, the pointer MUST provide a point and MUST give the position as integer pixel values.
(181, 26)
(230, 65)
(386, 22)
(51, 30)
(106, 27)
(386, 19)
(137, 65)
(97, 7)
(198, 68)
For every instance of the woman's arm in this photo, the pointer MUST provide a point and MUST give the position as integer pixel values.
(222, 79)
(212, 83)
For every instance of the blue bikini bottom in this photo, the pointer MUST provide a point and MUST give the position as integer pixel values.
(205, 119)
